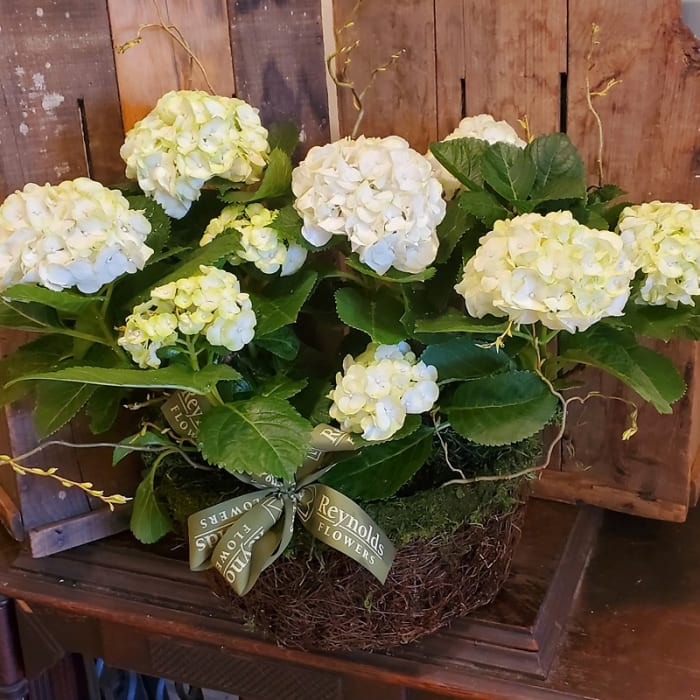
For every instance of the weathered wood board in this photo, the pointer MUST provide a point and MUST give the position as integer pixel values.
(66, 98)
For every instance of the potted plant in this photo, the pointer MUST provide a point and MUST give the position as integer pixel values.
(363, 350)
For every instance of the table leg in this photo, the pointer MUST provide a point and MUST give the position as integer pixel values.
(13, 685)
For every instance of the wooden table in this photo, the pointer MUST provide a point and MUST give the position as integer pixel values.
(634, 631)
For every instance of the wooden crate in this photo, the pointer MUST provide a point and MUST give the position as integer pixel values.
(67, 97)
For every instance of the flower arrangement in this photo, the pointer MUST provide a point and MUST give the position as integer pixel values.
(315, 331)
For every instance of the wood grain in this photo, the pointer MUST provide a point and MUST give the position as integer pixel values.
(156, 65)
(403, 98)
(279, 63)
(57, 82)
(651, 138)
(450, 65)
(515, 53)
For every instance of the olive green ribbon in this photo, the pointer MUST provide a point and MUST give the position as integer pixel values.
(242, 536)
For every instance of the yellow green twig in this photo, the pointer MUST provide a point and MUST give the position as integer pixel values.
(176, 35)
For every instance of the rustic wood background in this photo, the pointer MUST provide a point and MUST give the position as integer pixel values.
(67, 97)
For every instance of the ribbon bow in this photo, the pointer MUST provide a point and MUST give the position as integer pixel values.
(241, 537)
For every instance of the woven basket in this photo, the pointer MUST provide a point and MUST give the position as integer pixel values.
(324, 600)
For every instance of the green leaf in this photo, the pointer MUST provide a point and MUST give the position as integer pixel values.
(660, 322)
(501, 409)
(56, 404)
(483, 206)
(148, 522)
(509, 170)
(281, 301)
(159, 220)
(288, 224)
(65, 300)
(44, 353)
(220, 248)
(283, 343)
(103, 408)
(451, 229)
(281, 387)
(258, 436)
(647, 372)
(455, 321)
(174, 377)
(379, 471)
(378, 316)
(145, 439)
(283, 136)
(390, 275)
(276, 181)
(23, 316)
(462, 358)
(461, 158)
(560, 173)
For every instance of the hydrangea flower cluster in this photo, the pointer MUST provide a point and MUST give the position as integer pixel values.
(210, 303)
(75, 234)
(259, 243)
(189, 137)
(377, 389)
(480, 126)
(379, 193)
(550, 269)
(663, 240)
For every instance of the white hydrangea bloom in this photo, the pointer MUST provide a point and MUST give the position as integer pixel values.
(481, 126)
(663, 241)
(550, 269)
(377, 389)
(189, 137)
(377, 192)
(74, 234)
(259, 243)
(210, 303)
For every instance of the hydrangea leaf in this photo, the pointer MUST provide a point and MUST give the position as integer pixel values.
(283, 343)
(380, 470)
(461, 158)
(173, 377)
(103, 407)
(148, 522)
(159, 220)
(509, 170)
(145, 439)
(281, 387)
(42, 354)
(28, 316)
(451, 229)
(68, 302)
(501, 409)
(284, 136)
(258, 436)
(660, 322)
(281, 301)
(378, 316)
(455, 321)
(462, 358)
(276, 181)
(56, 404)
(647, 372)
(560, 173)
(288, 224)
(390, 275)
(483, 206)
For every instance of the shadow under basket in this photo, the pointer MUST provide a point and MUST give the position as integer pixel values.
(317, 598)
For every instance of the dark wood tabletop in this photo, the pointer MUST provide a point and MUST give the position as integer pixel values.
(634, 632)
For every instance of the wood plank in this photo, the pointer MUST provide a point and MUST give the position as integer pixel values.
(284, 79)
(58, 84)
(403, 98)
(157, 65)
(515, 53)
(450, 64)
